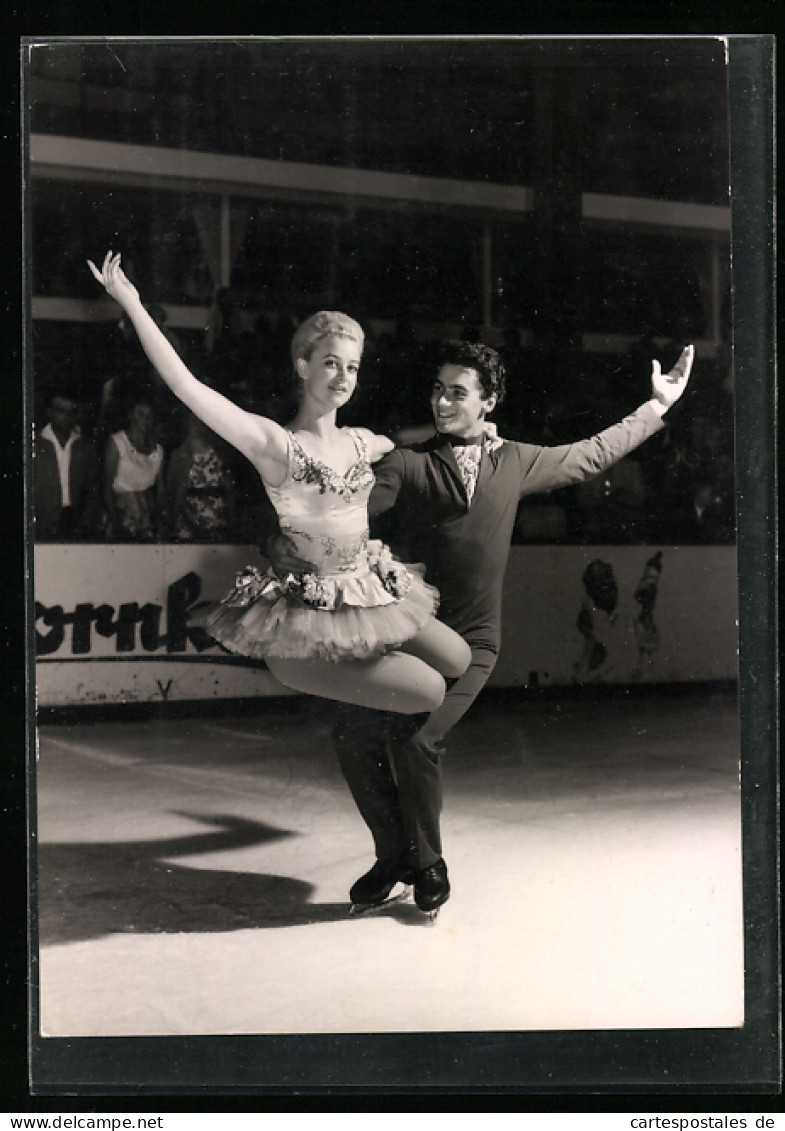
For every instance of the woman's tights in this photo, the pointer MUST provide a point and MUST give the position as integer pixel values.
(408, 681)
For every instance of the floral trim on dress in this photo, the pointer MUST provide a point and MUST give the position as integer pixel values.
(315, 591)
(310, 470)
(394, 575)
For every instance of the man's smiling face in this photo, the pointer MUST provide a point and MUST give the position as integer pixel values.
(459, 403)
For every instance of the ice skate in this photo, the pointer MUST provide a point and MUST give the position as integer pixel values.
(366, 909)
(375, 888)
(432, 888)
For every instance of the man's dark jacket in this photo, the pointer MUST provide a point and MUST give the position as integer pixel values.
(83, 486)
(465, 548)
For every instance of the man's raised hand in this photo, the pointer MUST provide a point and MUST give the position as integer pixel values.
(668, 387)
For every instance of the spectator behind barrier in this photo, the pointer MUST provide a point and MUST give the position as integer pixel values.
(134, 493)
(66, 479)
(200, 487)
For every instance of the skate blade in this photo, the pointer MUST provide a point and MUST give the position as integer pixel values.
(431, 914)
(430, 917)
(357, 909)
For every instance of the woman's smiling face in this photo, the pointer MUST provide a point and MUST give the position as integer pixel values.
(330, 374)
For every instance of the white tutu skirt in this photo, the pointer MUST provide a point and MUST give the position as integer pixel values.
(348, 616)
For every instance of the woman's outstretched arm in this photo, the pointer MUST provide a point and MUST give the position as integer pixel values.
(261, 440)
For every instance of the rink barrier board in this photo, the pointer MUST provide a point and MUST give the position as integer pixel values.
(119, 623)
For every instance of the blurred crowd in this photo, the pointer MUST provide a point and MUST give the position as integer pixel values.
(117, 458)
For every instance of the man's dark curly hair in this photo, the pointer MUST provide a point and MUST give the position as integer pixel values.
(474, 355)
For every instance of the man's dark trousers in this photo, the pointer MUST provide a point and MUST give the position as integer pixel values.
(397, 783)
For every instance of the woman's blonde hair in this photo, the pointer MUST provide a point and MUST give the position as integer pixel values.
(324, 324)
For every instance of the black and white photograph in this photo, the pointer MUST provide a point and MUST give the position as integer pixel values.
(383, 497)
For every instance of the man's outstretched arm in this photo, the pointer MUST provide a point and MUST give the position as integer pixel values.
(545, 469)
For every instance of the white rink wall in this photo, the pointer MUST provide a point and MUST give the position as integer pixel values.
(692, 634)
(118, 623)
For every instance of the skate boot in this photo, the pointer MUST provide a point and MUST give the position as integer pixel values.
(432, 888)
(375, 886)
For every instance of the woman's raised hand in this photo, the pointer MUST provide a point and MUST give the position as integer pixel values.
(113, 278)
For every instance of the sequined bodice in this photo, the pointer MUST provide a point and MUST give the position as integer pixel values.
(325, 514)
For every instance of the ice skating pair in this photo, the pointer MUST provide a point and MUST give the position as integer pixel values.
(374, 889)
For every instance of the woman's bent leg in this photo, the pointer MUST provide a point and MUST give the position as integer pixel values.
(441, 648)
(395, 682)
(459, 697)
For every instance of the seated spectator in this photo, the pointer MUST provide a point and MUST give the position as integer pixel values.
(200, 487)
(65, 471)
(134, 494)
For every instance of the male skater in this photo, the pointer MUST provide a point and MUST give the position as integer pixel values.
(457, 496)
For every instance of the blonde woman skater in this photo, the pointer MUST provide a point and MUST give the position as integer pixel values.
(361, 627)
